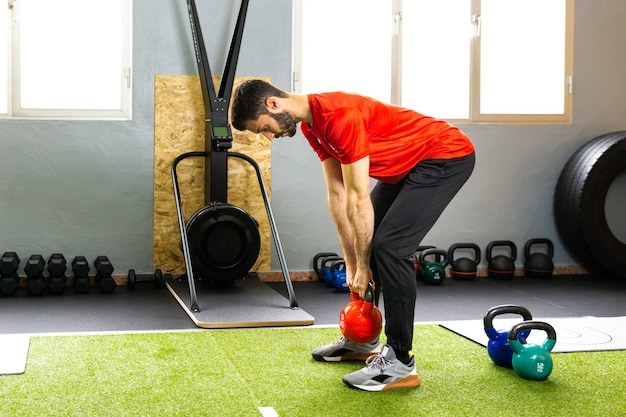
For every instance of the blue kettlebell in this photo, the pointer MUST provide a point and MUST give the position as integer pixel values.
(338, 272)
(498, 346)
(317, 259)
(530, 361)
(326, 271)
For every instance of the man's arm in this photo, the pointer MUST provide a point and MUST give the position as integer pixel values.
(351, 208)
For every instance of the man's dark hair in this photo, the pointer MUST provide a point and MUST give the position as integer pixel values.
(249, 101)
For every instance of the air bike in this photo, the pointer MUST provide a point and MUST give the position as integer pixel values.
(221, 242)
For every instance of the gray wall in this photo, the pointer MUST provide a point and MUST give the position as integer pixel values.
(86, 187)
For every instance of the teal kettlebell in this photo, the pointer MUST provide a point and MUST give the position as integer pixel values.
(530, 361)
(417, 254)
(433, 273)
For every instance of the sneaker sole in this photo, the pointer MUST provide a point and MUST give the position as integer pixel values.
(353, 357)
(410, 381)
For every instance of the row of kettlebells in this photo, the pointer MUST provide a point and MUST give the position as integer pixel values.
(331, 269)
(509, 348)
(501, 255)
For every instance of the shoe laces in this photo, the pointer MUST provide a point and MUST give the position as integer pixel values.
(377, 362)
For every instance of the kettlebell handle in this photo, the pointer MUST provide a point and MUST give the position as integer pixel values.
(497, 243)
(435, 251)
(530, 325)
(472, 246)
(316, 260)
(338, 264)
(369, 295)
(505, 309)
(532, 242)
(328, 259)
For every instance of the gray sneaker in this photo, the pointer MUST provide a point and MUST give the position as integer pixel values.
(345, 350)
(384, 372)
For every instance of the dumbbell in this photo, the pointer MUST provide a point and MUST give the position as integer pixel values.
(135, 279)
(57, 281)
(9, 280)
(104, 271)
(80, 268)
(34, 268)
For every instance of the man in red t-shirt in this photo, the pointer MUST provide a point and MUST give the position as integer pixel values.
(420, 164)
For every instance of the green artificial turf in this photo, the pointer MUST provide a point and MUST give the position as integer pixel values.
(234, 372)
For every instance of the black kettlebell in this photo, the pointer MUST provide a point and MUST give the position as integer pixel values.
(538, 264)
(464, 268)
(501, 266)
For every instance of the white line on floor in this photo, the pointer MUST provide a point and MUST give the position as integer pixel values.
(268, 412)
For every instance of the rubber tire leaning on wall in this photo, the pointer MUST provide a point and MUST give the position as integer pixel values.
(580, 198)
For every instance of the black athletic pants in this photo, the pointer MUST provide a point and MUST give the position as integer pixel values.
(403, 215)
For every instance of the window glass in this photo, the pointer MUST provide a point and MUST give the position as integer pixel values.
(522, 55)
(436, 57)
(4, 59)
(346, 46)
(462, 60)
(70, 54)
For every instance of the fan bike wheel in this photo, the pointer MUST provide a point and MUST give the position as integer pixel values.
(224, 243)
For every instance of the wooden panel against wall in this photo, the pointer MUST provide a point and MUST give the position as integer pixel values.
(179, 128)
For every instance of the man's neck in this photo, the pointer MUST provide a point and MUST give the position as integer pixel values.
(298, 106)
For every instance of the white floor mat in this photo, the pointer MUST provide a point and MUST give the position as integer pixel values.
(13, 353)
(576, 334)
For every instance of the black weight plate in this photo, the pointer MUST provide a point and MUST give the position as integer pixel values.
(132, 279)
(158, 278)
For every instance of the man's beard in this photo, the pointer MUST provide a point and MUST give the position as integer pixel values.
(286, 123)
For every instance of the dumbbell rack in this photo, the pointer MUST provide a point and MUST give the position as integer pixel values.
(218, 140)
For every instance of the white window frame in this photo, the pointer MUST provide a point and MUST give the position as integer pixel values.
(474, 107)
(563, 118)
(122, 112)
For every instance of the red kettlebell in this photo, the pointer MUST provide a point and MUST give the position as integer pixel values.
(360, 320)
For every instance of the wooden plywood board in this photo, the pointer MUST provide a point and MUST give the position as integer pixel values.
(179, 128)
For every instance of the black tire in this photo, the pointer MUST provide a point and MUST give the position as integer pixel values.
(579, 202)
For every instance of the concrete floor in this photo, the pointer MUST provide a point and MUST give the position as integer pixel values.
(149, 309)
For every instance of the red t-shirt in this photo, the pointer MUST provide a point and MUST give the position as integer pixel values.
(348, 127)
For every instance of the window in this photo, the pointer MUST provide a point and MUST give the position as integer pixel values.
(338, 54)
(66, 59)
(461, 60)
